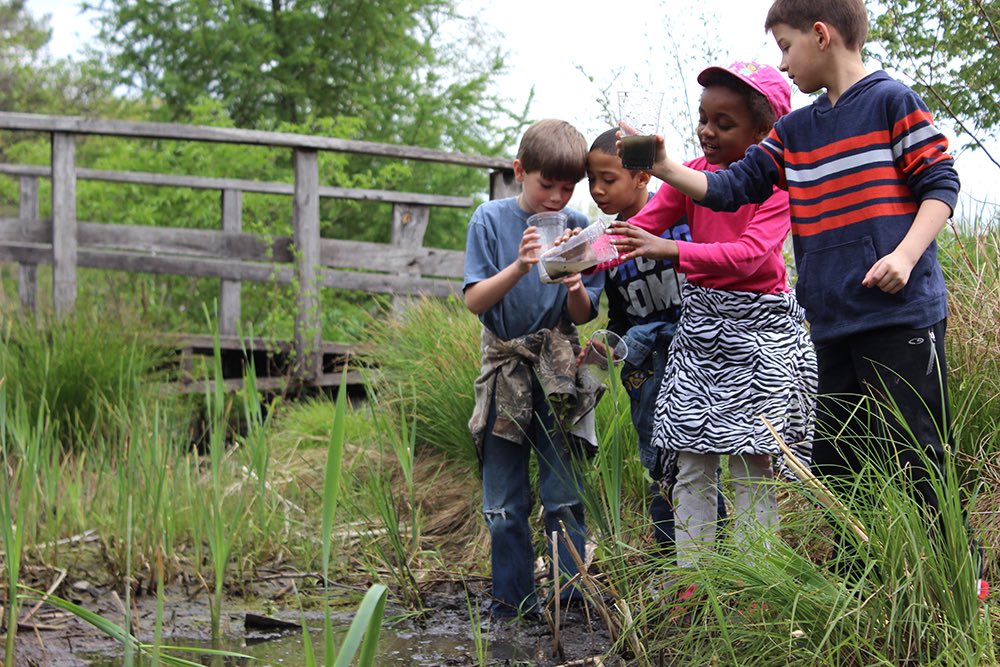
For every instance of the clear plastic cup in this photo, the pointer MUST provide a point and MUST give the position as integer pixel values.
(639, 119)
(550, 226)
(585, 250)
(605, 349)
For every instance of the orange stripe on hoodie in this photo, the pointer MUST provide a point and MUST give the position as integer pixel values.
(851, 217)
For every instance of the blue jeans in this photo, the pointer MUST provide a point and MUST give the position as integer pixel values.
(507, 501)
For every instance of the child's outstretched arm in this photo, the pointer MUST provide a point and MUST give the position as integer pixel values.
(485, 294)
(891, 272)
(690, 181)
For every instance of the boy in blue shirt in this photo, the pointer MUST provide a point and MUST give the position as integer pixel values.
(870, 184)
(529, 344)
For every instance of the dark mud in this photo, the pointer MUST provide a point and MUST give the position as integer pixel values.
(443, 635)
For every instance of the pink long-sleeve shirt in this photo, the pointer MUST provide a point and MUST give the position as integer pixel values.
(738, 251)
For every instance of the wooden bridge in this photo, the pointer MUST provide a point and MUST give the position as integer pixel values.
(405, 266)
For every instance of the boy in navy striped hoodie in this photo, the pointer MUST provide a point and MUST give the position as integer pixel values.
(870, 184)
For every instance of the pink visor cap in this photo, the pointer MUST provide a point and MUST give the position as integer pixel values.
(765, 79)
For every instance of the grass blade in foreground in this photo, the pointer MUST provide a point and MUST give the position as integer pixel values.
(367, 624)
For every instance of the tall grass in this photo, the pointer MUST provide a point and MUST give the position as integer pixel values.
(81, 369)
(365, 628)
(226, 512)
(430, 351)
(910, 600)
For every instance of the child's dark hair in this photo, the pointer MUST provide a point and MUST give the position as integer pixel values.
(606, 142)
(556, 149)
(849, 17)
(760, 109)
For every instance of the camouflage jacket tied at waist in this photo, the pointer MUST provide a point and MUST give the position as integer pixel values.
(506, 377)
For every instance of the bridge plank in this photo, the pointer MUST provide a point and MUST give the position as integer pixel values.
(176, 132)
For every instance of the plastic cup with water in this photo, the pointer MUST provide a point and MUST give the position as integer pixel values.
(578, 253)
(605, 349)
(639, 118)
(550, 226)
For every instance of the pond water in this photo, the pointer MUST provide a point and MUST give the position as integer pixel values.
(442, 640)
(395, 648)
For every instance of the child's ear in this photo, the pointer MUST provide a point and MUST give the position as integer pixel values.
(518, 171)
(821, 33)
(641, 180)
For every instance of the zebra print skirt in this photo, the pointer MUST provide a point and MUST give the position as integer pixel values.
(737, 356)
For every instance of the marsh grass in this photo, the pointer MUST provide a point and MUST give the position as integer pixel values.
(911, 599)
(431, 351)
(81, 370)
(256, 493)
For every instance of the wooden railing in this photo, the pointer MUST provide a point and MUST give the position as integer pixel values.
(230, 254)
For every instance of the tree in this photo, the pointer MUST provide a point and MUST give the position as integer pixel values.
(21, 40)
(393, 63)
(949, 48)
(32, 81)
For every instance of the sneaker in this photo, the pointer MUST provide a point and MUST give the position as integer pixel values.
(982, 589)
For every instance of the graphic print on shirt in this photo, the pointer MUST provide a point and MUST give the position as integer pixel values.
(649, 288)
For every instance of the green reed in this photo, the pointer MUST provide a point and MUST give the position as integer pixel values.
(129, 641)
(366, 626)
(223, 523)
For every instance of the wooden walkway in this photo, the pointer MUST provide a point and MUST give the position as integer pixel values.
(229, 253)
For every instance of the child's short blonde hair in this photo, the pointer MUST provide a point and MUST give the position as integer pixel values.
(556, 149)
(849, 17)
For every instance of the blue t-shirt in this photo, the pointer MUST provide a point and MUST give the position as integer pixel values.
(492, 244)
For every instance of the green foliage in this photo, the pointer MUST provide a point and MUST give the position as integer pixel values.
(949, 47)
(404, 66)
(971, 262)
(84, 371)
(415, 72)
(31, 81)
(429, 356)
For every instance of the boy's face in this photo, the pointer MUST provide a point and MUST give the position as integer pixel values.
(799, 56)
(725, 126)
(613, 187)
(540, 194)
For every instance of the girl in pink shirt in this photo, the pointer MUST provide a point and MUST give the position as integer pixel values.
(741, 349)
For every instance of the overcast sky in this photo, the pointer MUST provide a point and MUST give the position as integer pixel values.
(573, 52)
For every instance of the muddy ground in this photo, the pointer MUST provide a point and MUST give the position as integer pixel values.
(442, 636)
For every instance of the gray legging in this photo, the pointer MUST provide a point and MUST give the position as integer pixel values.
(695, 500)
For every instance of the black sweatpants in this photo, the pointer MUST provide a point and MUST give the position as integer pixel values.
(894, 365)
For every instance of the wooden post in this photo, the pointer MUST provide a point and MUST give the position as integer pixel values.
(409, 224)
(502, 184)
(305, 218)
(64, 231)
(229, 291)
(28, 273)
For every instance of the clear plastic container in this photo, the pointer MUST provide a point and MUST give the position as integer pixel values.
(585, 250)
(550, 226)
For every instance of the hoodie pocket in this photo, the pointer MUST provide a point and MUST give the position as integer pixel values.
(830, 289)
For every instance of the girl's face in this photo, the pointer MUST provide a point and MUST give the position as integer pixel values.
(725, 126)
(541, 194)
